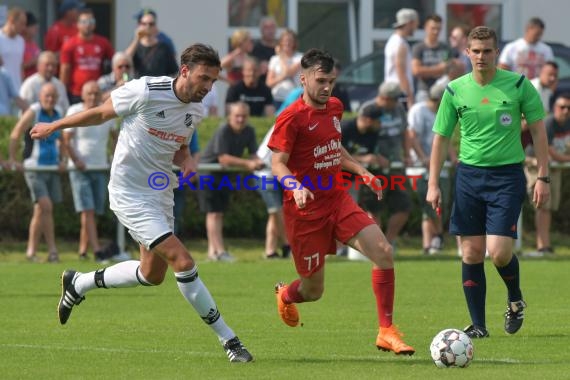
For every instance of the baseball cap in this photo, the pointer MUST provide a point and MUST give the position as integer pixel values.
(372, 111)
(67, 5)
(390, 90)
(436, 91)
(404, 16)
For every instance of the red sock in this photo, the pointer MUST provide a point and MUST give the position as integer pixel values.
(383, 287)
(292, 294)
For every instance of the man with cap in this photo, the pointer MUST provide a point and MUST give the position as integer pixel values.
(391, 146)
(65, 27)
(420, 122)
(398, 55)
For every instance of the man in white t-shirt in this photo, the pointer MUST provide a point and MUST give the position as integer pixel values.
(87, 149)
(159, 117)
(47, 67)
(546, 83)
(398, 54)
(527, 54)
(12, 45)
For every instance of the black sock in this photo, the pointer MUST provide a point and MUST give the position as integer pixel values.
(475, 289)
(511, 277)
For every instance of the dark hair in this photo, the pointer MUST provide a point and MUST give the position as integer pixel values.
(337, 64)
(145, 11)
(435, 18)
(200, 54)
(31, 19)
(564, 95)
(317, 59)
(551, 63)
(535, 21)
(482, 33)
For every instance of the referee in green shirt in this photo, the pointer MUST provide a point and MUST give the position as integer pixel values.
(489, 105)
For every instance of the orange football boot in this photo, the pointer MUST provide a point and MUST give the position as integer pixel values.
(389, 339)
(288, 312)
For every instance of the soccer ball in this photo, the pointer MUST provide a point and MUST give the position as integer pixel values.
(451, 348)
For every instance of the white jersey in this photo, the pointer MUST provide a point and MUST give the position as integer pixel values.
(90, 143)
(390, 52)
(155, 125)
(526, 58)
(30, 90)
(265, 154)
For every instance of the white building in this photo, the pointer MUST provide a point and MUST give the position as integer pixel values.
(347, 28)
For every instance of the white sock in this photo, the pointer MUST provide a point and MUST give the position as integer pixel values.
(195, 292)
(121, 275)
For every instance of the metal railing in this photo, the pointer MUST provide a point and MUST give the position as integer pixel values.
(215, 167)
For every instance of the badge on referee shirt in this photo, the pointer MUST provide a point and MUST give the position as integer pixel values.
(506, 119)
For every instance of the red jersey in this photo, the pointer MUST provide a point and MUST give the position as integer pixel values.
(58, 34)
(85, 58)
(312, 137)
(31, 53)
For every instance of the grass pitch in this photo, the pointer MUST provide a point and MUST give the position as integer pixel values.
(152, 333)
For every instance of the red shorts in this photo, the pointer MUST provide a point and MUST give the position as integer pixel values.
(311, 240)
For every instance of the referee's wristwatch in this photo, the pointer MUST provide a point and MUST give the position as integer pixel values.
(545, 179)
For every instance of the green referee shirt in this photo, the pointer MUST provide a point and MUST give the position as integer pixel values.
(489, 117)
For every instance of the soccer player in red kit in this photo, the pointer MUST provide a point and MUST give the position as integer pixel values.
(307, 156)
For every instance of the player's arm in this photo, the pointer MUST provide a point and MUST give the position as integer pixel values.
(279, 167)
(92, 116)
(184, 160)
(540, 142)
(15, 136)
(350, 164)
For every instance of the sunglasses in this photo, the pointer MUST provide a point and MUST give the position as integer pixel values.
(90, 21)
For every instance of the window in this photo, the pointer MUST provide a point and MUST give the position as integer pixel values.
(385, 11)
(248, 13)
(472, 15)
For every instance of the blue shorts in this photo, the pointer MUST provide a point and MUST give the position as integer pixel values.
(488, 200)
(273, 198)
(44, 184)
(89, 190)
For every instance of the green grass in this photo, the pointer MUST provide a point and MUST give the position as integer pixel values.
(152, 333)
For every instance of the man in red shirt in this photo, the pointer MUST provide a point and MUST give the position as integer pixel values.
(82, 56)
(65, 27)
(307, 158)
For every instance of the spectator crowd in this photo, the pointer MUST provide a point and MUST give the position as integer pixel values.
(77, 69)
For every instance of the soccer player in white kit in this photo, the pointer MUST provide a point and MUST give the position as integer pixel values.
(159, 117)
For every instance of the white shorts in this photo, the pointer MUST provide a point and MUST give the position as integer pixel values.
(146, 217)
